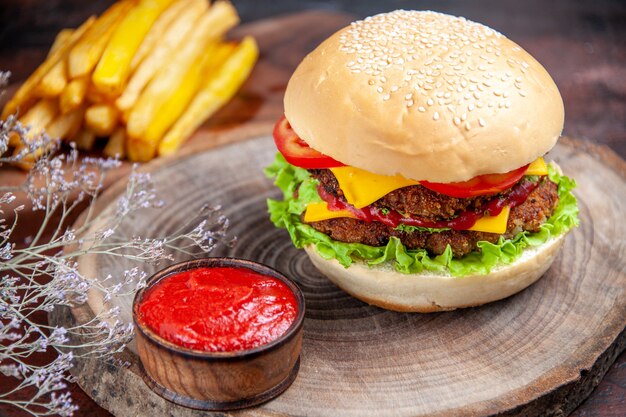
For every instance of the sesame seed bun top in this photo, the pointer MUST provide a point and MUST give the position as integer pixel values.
(425, 95)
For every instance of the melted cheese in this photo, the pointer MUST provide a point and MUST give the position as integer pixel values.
(316, 212)
(496, 224)
(537, 167)
(362, 188)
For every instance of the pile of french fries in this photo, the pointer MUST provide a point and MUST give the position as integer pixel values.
(145, 74)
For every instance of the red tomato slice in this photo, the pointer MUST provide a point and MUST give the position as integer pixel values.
(481, 185)
(296, 151)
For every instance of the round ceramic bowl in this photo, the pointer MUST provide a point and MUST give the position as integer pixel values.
(219, 380)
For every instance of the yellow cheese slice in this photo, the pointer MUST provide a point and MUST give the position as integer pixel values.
(537, 167)
(495, 224)
(316, 212)
(362, 188)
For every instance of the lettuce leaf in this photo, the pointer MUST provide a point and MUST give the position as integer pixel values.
(409, 229)
(299, 189)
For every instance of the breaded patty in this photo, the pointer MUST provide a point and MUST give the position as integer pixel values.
(414, 200)
(528, 216)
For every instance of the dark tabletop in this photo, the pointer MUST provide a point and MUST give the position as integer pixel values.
(582, 44)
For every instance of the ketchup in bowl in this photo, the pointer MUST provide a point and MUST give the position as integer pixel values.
(219, 309)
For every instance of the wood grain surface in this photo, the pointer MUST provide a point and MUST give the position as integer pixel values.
(581, 45)
(538, 353)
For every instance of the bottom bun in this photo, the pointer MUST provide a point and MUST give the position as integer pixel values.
(428, 291)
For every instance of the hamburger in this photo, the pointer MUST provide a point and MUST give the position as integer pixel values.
(411, 160)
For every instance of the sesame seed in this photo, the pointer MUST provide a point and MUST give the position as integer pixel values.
(456, 121)
(421, 109)
(468, 126)
(481, 122)
(445, 58)
(436, 116)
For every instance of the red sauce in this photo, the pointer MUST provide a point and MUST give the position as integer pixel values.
(219, 309)
(462, 221)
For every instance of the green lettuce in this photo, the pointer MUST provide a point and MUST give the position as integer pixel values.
(299, 190)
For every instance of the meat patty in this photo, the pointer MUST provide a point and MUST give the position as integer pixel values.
(414, 200)
(528, 216)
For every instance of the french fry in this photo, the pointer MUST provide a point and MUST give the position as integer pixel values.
(53, 83)
(218, 89)
(219, 18)
(116, 146)
(157, 30)
(158, 57)
(74, 94)
(85, 139)
(113, 68)
(101, 118)
(60, 39)
(38, 117)
(24, 96)
(65, 126)
(175, 105)
(84, 56)
(95, 96)
(218, 57)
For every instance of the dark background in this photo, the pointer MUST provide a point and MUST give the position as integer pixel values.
(581, 43)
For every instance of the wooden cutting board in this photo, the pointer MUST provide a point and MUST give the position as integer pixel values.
(538, 353)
